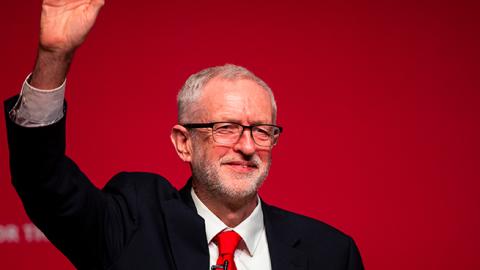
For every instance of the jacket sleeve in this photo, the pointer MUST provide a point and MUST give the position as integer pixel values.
(59, 198)
(354, 258)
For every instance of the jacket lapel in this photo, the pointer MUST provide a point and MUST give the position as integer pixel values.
(282, 243)
(186, 232)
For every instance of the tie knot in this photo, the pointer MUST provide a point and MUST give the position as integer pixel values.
(227, 242)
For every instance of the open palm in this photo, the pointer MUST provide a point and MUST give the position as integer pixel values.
(65, 23)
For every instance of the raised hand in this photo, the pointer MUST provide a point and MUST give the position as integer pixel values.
(64, 25)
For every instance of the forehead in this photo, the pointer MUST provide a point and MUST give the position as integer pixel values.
(240, 100)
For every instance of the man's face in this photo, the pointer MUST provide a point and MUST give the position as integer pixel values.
(234, 171)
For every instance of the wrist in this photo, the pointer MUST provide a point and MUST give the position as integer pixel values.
(54, 55)
(51, 68)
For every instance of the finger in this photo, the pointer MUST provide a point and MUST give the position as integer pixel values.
(97, 3)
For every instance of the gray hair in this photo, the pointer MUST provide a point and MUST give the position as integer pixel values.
(191, 91)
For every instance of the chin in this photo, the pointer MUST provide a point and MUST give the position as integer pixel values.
(240, 187)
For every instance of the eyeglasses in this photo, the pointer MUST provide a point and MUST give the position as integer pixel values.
(228, 133)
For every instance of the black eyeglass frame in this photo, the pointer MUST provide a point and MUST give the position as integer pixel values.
(250, 127)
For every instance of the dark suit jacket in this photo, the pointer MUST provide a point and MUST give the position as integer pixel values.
(139, 221)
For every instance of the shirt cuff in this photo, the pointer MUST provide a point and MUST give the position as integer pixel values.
(37, 107)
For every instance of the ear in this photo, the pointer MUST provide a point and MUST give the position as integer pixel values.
(181, 140)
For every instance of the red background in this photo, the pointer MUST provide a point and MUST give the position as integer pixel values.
(379, 101)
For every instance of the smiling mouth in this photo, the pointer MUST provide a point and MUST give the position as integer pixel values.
(242, 166)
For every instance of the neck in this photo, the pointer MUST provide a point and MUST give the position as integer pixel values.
(231, 211)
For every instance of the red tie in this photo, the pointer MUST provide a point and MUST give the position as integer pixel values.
(227, 242)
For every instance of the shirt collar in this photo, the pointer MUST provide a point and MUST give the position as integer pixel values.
(250, 229)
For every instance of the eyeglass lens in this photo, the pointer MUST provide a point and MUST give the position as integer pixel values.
(229, 133)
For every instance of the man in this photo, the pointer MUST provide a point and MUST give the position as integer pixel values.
(226, 132)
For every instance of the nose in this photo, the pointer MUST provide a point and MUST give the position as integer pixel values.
(245, 144)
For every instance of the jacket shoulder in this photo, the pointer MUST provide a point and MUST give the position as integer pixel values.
(303, 224)
(325, 246)
(308, 234)
(141, 183)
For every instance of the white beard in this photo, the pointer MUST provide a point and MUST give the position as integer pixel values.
(223, 182)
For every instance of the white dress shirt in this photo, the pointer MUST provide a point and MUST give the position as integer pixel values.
(252, 252)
